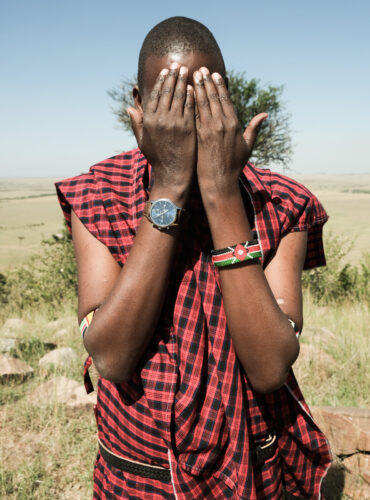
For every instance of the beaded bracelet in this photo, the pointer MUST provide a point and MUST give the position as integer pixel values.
(85, 323)
(237, 253)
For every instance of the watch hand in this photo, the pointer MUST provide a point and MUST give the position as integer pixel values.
(162, 213)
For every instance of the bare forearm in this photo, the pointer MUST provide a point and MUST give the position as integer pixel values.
(263, 338)
(123, 325)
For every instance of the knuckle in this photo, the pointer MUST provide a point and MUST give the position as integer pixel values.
(218, 126)
(166, 90)
(179, 95)
(234, 124)
(154, 94)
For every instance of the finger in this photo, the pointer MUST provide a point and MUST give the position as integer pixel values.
(136, 118)
(155, 94)
(251, 132)
(211, 92)
(169, 87)
(223, 95)
(201, 97)
(189, 102)
(179, 95)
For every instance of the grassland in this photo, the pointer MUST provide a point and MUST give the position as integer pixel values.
(30, 212)
(346, 199)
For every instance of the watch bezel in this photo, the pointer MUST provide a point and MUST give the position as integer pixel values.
(173, 221)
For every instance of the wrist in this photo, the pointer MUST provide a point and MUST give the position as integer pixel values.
(220, 194)
(177, 194)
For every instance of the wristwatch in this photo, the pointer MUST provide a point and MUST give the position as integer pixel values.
(163, 213)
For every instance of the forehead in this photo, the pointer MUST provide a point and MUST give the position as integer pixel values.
(192, 60)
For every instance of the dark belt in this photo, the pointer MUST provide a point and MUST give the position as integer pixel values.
(260, 453)
(143, 470)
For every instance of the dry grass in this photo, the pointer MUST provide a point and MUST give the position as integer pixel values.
(29, 213)
(48, 453)
(332, 368)
(346, 199)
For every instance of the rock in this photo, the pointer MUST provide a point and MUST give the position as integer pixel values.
(56, 324)
(355, 487)
(7, 344)
(64, 356)
(347, 429)
(340, 481)
(358, 464)
(13, 368)
(12, 324)
(60, 334)
(64, 391)
(61, 322)
(58, 236)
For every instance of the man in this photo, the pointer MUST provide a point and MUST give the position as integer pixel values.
(191, 259)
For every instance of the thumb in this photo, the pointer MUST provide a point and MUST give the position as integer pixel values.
(136, 118)
(250, 133)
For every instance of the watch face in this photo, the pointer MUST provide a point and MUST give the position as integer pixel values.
(163, 212)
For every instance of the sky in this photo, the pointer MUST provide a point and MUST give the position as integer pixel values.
(58, 59)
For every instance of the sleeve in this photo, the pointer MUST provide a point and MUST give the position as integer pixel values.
(300, 210)
(312, 220)
(81, 194)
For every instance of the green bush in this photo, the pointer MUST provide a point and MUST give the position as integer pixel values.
(47, 277)
(338, 281)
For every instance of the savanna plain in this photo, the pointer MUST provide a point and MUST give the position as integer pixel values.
(47, 451)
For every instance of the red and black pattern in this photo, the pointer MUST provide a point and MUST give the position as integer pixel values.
(189, 405)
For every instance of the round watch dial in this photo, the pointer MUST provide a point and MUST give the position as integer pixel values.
(163, 212)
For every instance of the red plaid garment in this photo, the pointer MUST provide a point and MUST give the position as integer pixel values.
(189, 406)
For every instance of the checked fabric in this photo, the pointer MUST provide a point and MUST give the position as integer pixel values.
(189, 406)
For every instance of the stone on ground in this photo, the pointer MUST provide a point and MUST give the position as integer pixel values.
(13, 368)
(348, 432)
(12, 324)
(61, 322)
(60, 334)
(63, 391)
(7, 344)
(63, 357)
(347, 429)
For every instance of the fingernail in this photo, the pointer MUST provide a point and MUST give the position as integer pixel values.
(204, 71)
(164, 71)
(183, 70)
(198, 76)
(216, 76)
(189, 90)
(174, 65)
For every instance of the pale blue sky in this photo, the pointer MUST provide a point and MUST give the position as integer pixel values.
(59, 58)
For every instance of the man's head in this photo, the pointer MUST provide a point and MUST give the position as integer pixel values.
(177, 39)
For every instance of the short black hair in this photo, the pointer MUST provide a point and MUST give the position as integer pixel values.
(177, 35)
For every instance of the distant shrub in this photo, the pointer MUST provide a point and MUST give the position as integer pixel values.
(48, 277)
(338, 281)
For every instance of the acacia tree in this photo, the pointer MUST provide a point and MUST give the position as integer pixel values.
(273, 144)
